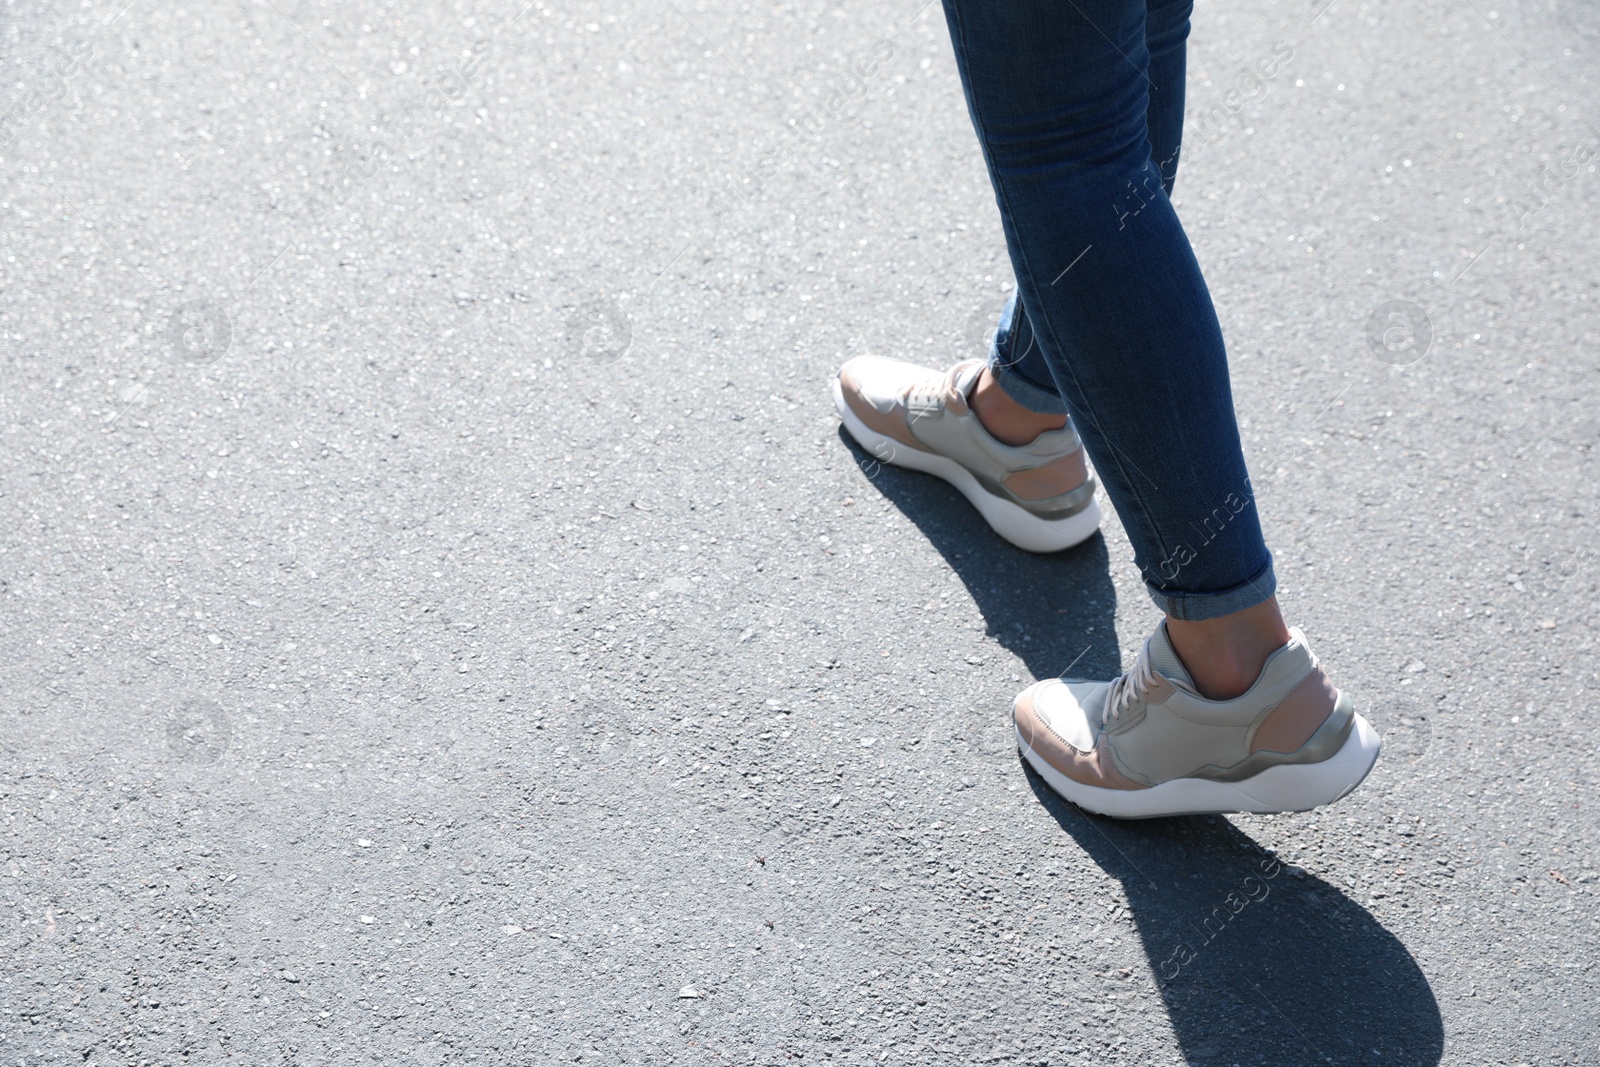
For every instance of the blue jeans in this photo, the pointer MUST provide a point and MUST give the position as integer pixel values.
(1078, 105)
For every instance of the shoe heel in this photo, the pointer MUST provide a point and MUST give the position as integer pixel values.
(1303, 786)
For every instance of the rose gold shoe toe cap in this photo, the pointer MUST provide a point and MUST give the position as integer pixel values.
(1095, 767)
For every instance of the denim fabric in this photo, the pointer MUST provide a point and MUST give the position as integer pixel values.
(1078, 105)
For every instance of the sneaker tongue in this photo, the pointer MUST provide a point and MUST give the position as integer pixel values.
(1164, 658)
(963, 376)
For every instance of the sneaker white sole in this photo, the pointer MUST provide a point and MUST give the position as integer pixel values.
(1287, 787)
(1016, 524)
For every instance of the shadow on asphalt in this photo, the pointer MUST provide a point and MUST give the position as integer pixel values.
(1258, 962)
(1051, 611)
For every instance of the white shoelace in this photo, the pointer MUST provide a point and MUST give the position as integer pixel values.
(941, 389)
(1129, 686)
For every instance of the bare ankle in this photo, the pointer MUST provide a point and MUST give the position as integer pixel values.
(1224, 657)
(1006, 420)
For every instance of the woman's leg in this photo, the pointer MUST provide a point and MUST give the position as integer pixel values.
(1115, 306)
(1017, 365)
(1017, 399)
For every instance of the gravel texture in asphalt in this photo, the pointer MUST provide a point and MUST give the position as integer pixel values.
(441, 620)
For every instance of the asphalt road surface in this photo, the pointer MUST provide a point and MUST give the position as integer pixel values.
(441, 621)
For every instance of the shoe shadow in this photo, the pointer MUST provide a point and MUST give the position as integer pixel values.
(1051, 611)
(1258, 962)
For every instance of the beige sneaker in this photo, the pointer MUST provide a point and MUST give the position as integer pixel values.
(1039, 497)
(1147, 744)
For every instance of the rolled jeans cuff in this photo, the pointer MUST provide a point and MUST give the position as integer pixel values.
(1198, 607)
(1041, 400)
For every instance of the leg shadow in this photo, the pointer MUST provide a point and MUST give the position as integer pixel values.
(1259, 963)
(1051, 611)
